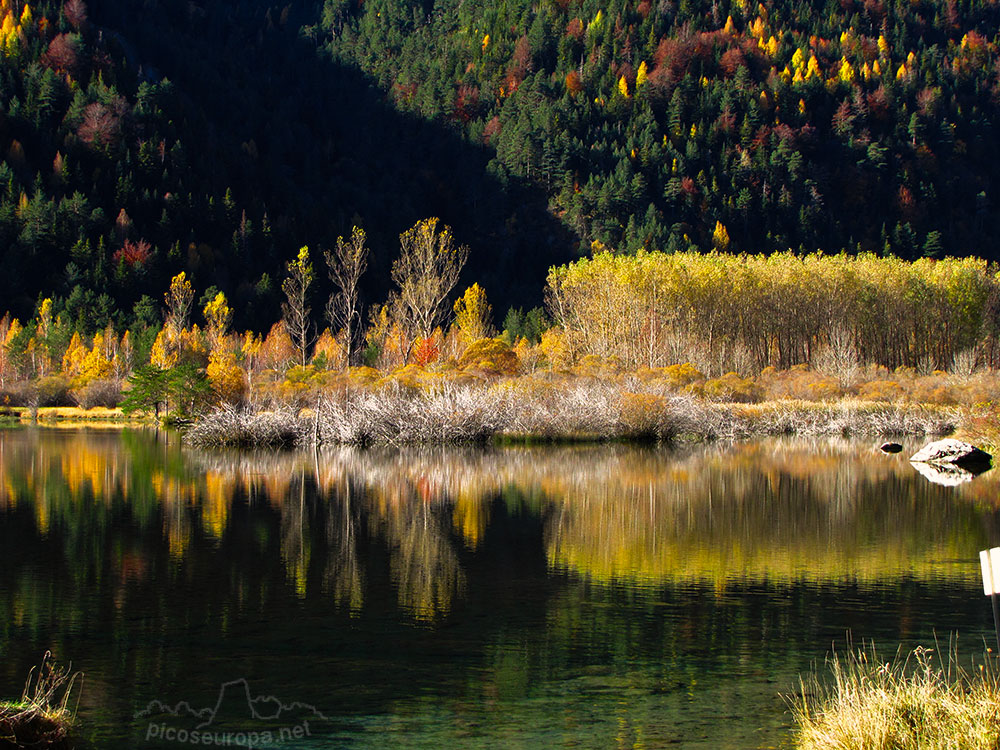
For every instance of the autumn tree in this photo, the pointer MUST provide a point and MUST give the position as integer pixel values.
(178, 300)
(345, 264)
(218, 316)
(223, 371)
(295, 310)
(76, 13)
(473, 315)
(175, 339)
(425, 272)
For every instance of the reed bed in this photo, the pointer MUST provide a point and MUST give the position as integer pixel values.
(913, 702)
(584, 409)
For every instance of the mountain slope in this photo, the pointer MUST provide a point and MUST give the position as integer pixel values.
(743, 125)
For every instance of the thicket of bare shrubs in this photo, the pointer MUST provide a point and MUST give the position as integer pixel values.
(103, 392)
(245, 425)
(462, 412)
(551, 408)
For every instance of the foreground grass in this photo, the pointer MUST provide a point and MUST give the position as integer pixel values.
(911, 703)
(42, 717)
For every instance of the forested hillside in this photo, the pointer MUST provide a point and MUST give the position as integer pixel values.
(677, 123)
(142, 139)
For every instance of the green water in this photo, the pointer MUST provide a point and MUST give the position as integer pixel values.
(587, 597)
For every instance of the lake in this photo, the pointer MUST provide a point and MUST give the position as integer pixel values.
(523, 597)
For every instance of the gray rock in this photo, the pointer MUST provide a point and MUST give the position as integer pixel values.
(890, 447)
(954, 453)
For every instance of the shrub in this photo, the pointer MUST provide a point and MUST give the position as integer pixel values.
(364, 375)
(732, 388)
(490, 356)
(229, 425)
(42, 717)
(799, 382)
(50, 390)
(880, 390)
(98, 393)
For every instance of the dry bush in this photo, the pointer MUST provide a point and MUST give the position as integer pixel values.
(731, 388)
(397, 415)
(965, 363)
(105, 393)
(845, 418)
(880, 390)
(42, 717)
(801, 383)
(230, 425)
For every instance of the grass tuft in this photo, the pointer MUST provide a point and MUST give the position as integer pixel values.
(42, 717)
(913, 702)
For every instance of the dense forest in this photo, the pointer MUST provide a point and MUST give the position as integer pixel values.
(728, 123)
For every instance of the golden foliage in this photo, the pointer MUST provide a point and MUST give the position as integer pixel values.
(491, 356)
(225, 374)
(473, 315)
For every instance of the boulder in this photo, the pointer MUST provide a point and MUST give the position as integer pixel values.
(890, 447)
(954, 453)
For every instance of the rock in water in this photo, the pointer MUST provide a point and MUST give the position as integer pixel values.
(955, 453)
(947, 475)
(890, 447)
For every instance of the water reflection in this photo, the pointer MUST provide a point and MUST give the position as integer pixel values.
(425, 582)
(759, 511)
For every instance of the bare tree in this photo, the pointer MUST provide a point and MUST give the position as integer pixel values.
(425, 272)
(345, 264)
(295, 312)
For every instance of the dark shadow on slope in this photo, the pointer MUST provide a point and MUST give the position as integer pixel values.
(318, 148)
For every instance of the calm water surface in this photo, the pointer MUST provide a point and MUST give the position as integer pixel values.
(588, 597)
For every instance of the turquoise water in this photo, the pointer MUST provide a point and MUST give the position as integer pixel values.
(586, 597)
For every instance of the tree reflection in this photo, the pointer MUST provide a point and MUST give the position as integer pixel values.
(763, 511)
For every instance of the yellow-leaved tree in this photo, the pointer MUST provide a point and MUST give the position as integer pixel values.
(218, 316)
(97, 364)
(473, 315)
(720, 236)
(224, 372)
(426, 271)
(72, 359)
(295, 310)
(174, 337)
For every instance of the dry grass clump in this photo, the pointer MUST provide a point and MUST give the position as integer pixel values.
(907, 704)
(229, 425)
(42, 717)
